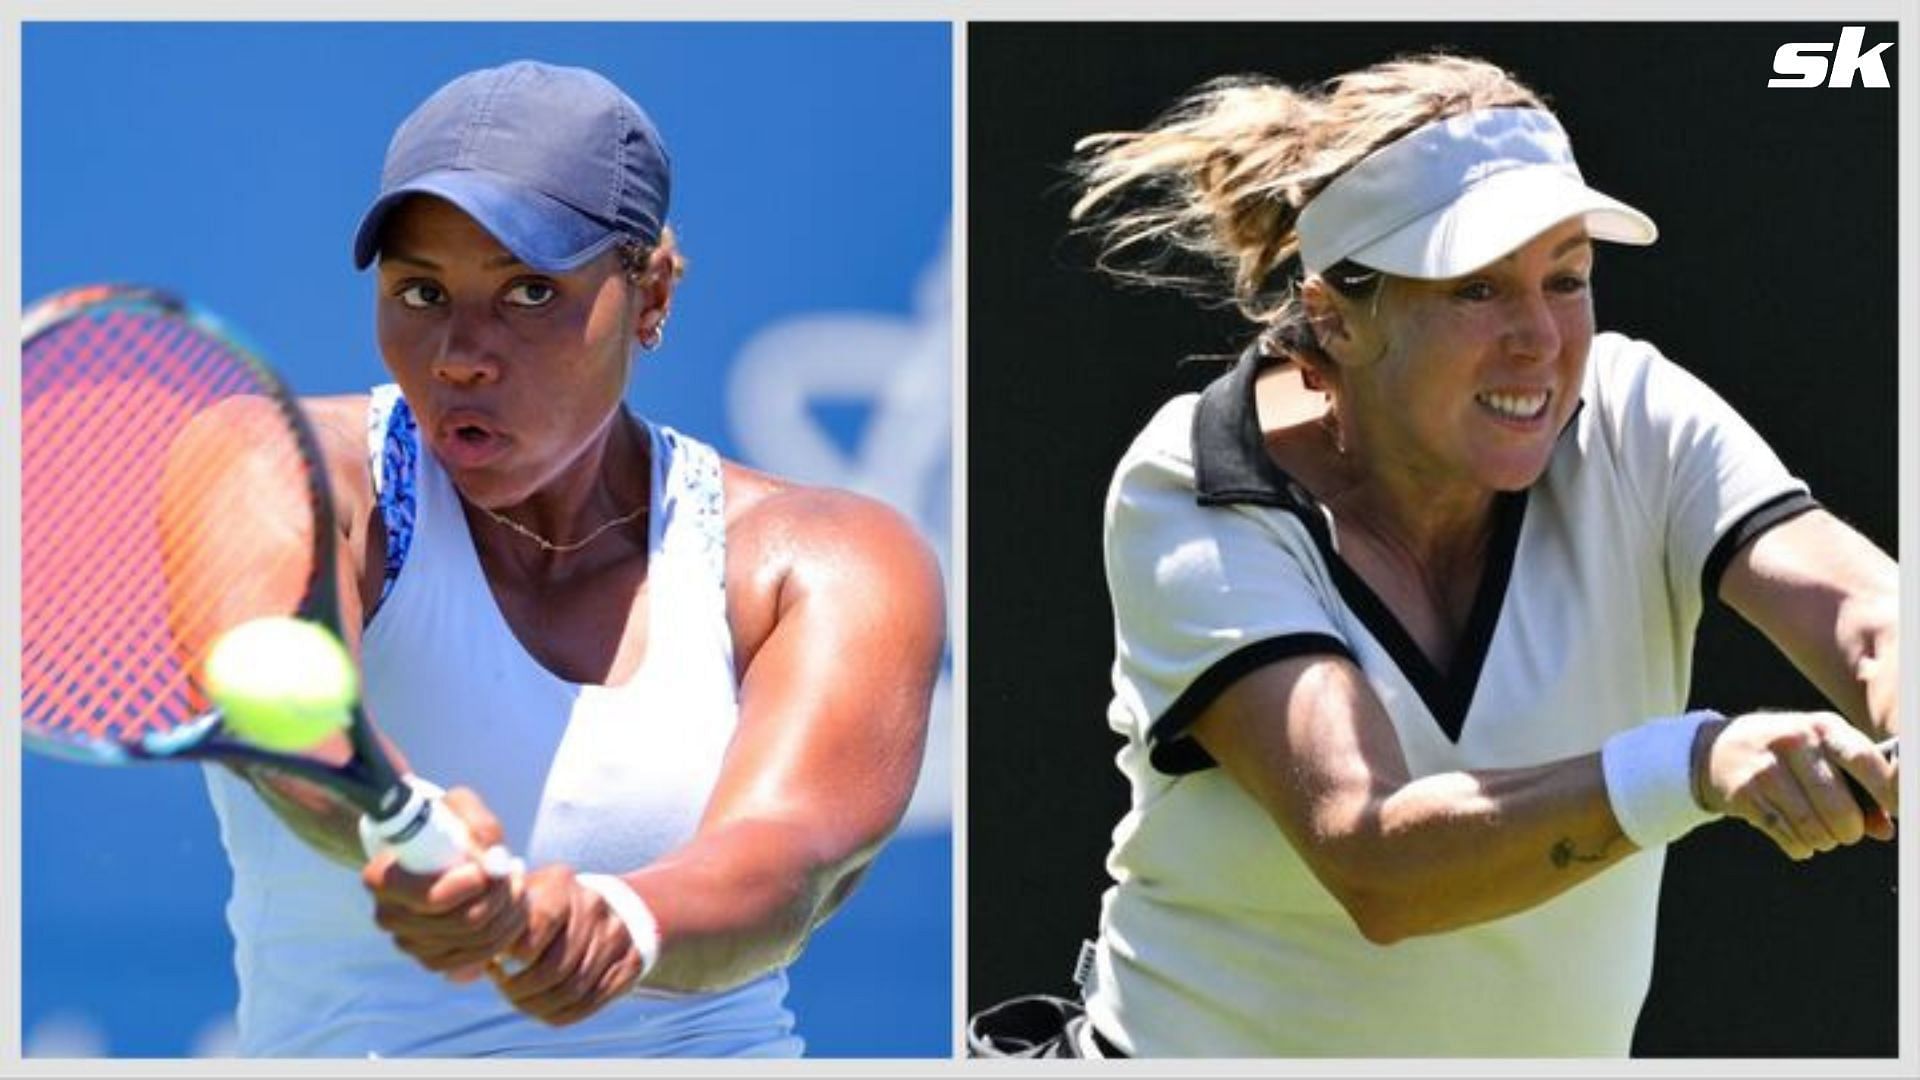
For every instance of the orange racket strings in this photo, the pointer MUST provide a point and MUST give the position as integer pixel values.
(147, 468)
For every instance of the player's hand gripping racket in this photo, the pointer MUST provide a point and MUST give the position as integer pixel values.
(1889, 749)
(172, 491)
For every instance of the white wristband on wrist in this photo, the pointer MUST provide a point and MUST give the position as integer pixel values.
(1649, 774)
(633, 911)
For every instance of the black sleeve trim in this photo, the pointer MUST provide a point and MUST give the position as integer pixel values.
(1170, 750)
(1746, 531)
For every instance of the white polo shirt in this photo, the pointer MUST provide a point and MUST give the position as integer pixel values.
(1216, 939)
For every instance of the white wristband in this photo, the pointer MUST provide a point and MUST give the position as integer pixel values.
(1649, 773)
(633, 911)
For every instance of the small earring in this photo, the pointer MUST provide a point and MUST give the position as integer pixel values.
(652, 338)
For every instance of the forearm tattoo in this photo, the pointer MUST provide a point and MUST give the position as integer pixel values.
(1565, 854)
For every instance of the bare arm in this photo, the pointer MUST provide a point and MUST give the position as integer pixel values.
(833, 714)
(1312, 744)
(842, 606)
(253, 500)
(1308, 739)
(1829, 599)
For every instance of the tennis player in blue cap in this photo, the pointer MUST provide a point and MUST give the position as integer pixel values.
(631, 655)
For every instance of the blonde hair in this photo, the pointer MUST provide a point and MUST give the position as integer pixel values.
(1219, 180)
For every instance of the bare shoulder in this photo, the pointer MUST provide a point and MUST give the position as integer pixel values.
(776, 527)
(788, 543)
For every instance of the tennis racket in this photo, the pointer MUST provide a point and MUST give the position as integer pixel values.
(171, 489)
(1889, 749)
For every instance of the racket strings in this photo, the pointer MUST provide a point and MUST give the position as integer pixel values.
(77, 554)
(97, 560)
(147, 447)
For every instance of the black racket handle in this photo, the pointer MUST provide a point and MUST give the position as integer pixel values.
(1890, 749)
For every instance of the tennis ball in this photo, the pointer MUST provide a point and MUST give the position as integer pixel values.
(283, 683)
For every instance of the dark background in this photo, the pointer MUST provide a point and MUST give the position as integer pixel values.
(1774, 279)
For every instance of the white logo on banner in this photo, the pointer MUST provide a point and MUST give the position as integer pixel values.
(899, 370)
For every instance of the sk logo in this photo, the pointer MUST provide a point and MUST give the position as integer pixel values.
(1804, 60)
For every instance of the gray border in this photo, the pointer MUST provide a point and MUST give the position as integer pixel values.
(1909, 479)
(960, 11)
(957, 527)
(10, 838)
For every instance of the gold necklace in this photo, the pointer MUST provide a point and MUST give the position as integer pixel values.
(548, 545)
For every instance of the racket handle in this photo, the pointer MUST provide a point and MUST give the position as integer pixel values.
(1889, 749)
(423, 834)
(426, 837)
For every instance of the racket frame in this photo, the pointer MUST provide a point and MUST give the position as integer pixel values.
(368, 780)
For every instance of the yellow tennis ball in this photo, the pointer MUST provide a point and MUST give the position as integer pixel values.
(283, 683)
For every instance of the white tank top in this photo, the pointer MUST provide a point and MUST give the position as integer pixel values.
(603, 778)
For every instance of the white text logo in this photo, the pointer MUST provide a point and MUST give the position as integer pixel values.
(1806, 62)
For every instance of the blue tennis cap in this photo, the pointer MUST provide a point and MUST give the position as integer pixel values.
(556, 162)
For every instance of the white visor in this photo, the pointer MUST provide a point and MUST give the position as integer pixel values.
(1455, 195)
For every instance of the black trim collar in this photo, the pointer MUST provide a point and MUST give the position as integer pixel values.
(1232, 466)
(1230, 460)
(1448, 694)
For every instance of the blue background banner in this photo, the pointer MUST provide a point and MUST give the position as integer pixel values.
(230, 164)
